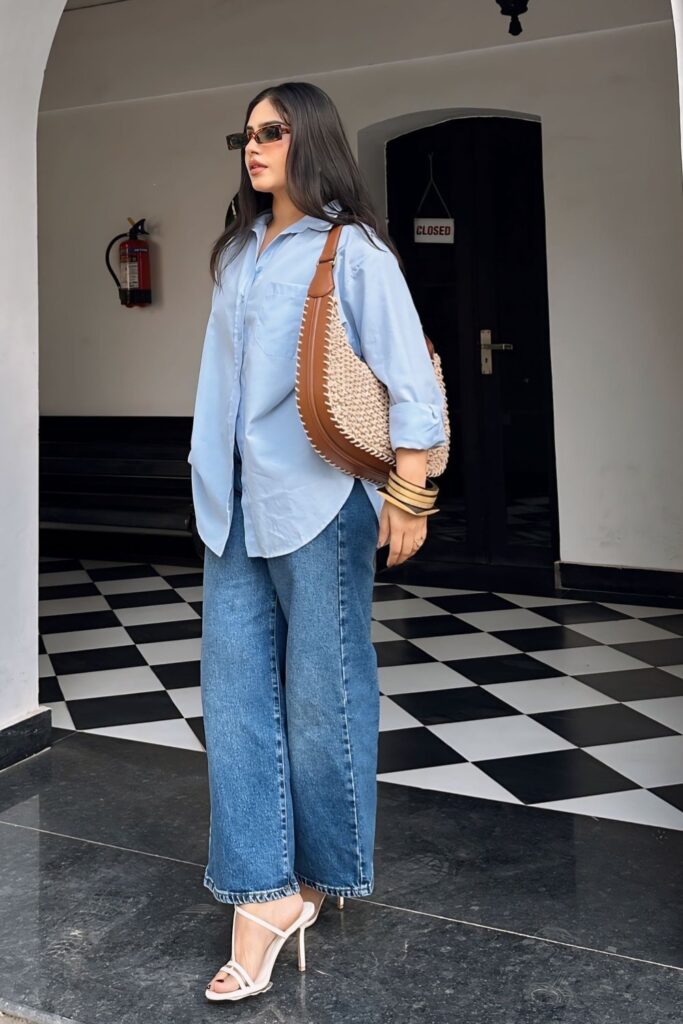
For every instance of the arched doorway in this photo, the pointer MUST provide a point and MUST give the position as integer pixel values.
(464, 199)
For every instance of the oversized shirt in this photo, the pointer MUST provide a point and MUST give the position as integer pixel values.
(245, 390)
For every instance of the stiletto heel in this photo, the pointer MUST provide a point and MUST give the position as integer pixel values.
(340, 902)
(249, 986)
(302, 948)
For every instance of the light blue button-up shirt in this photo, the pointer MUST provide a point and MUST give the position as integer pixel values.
(245, 391)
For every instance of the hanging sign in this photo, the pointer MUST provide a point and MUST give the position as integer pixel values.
(433, 229)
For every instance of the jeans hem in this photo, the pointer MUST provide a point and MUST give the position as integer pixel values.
(249, 895)
(365, 889)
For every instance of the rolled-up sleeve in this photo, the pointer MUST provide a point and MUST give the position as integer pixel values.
(393, 345)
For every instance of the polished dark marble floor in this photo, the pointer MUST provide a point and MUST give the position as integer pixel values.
(482, 911)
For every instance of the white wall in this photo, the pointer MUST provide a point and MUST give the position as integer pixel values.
(164, 47)
(25, 40)
(614, 209)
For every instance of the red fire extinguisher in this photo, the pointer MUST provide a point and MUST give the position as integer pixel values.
(135, 284)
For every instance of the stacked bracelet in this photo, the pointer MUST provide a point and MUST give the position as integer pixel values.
(409, 496)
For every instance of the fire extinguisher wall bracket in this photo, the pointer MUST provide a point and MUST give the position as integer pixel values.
(134, 283)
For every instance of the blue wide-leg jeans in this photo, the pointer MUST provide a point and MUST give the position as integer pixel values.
(290, 698)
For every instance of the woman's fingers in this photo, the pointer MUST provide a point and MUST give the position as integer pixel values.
(407, 547)
(406, 533)
(383, 535)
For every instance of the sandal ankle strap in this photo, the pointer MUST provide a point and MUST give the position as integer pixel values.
(259, 920)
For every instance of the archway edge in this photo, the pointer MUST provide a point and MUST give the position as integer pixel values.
(27, 32)
(677, 10)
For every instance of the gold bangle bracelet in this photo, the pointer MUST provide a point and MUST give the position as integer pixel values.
(429, 483)
(415, 488)
(423, 500)
(405, 506)
(409, 498)
(427, 489)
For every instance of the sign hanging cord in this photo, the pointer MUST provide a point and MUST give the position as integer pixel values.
(432, 183)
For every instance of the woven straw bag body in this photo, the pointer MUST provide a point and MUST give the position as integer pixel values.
(343, 406)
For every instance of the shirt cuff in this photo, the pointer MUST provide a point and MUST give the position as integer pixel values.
(416, 425)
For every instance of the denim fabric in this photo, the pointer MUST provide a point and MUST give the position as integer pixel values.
(290, 697)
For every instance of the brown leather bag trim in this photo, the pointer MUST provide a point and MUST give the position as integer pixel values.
(313, 408)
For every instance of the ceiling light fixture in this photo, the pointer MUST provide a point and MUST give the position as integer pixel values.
(512, 9)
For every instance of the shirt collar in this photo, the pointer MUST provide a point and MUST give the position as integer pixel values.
(307, 221)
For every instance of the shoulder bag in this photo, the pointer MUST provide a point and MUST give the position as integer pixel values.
(342, 404)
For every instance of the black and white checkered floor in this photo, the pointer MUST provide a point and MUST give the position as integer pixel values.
(553, 702)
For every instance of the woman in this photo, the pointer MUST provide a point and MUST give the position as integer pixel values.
(288, 671)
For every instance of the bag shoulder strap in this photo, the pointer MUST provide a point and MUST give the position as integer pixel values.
(322, 282)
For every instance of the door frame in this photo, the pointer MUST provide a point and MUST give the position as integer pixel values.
(372, 143)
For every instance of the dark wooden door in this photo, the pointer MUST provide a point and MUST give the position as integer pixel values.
(488, 287)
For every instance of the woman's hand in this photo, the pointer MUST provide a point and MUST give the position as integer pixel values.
(404, 532)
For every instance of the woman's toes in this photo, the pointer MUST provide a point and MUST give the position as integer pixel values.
(222, 983)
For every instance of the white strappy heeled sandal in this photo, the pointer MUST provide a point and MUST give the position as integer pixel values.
(249, 986)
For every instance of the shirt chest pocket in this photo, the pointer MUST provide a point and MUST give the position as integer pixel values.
(278, 318)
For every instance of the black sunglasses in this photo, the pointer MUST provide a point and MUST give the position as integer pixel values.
(269, 133)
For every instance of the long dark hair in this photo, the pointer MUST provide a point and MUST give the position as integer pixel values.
(320, 167)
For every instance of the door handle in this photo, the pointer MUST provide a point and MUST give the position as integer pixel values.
(487, 348)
